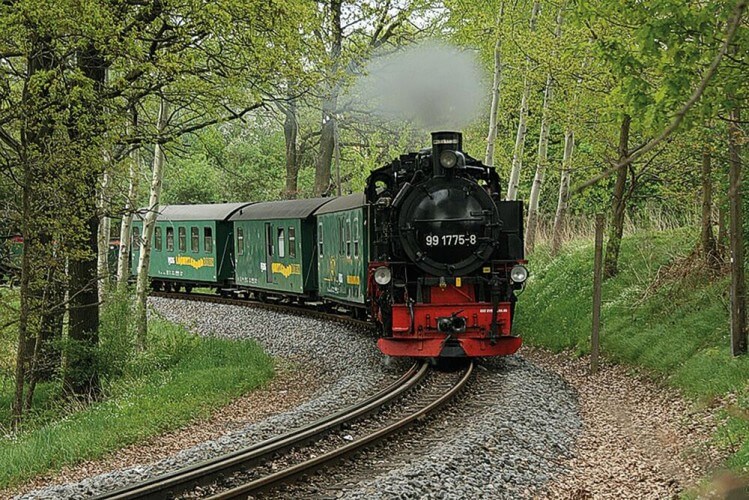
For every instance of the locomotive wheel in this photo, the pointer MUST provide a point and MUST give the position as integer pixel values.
(188, 288)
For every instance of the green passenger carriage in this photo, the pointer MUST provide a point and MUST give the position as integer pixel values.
(274, 244)
(191, 246)
(343, 249)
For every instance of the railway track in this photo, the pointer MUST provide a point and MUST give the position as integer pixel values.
(287, 308)
(284, 458)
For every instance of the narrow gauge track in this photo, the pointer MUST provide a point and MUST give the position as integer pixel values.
(249, 460)
(288, 308)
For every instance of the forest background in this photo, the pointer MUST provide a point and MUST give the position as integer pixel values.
(586, 106)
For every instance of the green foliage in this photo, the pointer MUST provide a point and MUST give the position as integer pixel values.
(677, 328)
(191, 180)
(179, 379)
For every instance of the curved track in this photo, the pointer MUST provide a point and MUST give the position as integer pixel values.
(251, 459)
(206, 472)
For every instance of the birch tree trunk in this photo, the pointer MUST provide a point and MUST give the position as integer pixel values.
(141, 289)
(123, 258)
(103, 235)
(543, 148)
(492, 136)
(564, 190)
(538, 178)
(517, 155)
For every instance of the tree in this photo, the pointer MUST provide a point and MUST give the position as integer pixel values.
(618, 205)
(149, 222)
(738, 281)
(708, 244)
(81, 376)
(543, 148)
(564, 189)
(517, 155)
(291, 133)
(496, 83)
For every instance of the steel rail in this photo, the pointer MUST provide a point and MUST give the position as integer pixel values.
(206, 472)
(277, 478)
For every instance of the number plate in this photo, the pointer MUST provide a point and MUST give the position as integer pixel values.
(445, 240)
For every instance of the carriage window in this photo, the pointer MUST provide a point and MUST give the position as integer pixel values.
(194, 239)
(240, 241)
(292, 242)
(136, 239)
(348, 237)
(319, 239)
(208, 239)
(157, 239)
(341, 241)
(281, 243)
(356, 237)
(269, 239)
(170, 239)
(182, 240)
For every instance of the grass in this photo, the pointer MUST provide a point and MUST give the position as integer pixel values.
(655, 315)
(179, 379)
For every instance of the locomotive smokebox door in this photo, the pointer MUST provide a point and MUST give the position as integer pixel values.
(448, 226)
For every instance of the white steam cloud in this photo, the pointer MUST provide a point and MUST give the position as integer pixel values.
(433, 85)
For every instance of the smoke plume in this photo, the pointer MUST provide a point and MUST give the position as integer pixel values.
(433, 85)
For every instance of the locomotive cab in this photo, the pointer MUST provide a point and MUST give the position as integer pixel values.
(447, 255)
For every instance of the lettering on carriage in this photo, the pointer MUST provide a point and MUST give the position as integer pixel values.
(170, 272)
(286, 270)
(353, 280)
(186, 260)
(331, 278)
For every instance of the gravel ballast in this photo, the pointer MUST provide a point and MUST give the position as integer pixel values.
(532, 425)
(344, 361)
(508, 433)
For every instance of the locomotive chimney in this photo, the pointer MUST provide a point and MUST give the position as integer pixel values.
(444, 141)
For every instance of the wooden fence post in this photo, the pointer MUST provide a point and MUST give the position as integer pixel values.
(597, 279)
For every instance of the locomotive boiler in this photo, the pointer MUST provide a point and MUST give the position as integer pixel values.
(446, 255)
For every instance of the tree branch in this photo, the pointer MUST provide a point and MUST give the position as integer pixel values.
(731, 29)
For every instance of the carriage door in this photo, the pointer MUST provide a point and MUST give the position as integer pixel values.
(268, 252)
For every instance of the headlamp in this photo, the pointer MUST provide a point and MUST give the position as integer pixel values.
(448, 159)
(382, 275)
(518, 274)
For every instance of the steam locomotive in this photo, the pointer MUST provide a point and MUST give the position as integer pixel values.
(449, 255)
(429, 253)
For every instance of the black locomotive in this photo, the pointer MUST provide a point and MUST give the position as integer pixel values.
(447, 254)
